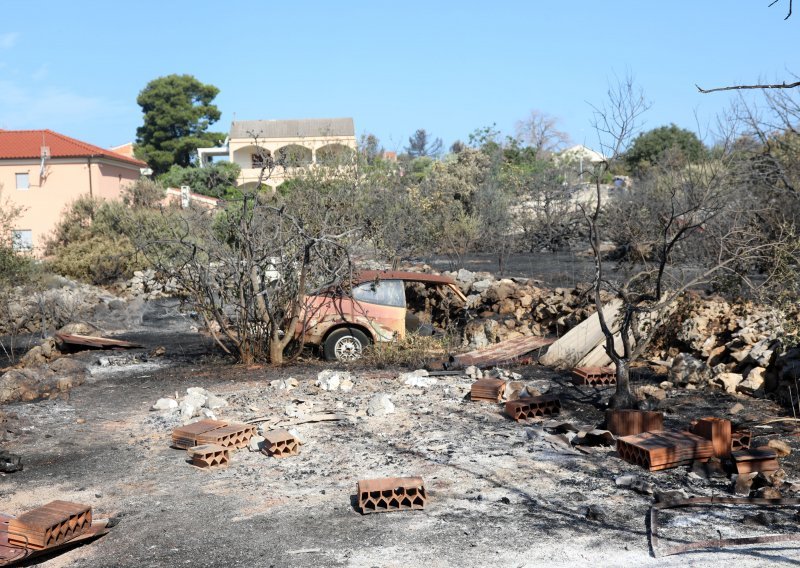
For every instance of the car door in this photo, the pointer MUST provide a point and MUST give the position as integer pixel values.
(382, 303)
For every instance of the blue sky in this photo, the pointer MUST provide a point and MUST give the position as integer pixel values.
(449, 67)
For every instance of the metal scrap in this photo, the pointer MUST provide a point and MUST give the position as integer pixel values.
(93, 342)
(509, 351)
(720, 542)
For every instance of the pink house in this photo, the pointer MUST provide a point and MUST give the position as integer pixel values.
(44, 171)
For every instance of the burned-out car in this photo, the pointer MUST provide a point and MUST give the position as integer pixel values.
(343, 323)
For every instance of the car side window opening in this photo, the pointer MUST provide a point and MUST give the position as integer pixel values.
(383, 292)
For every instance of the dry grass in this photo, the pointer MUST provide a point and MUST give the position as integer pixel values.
(415, 351)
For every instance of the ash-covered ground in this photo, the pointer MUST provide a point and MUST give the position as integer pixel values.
(501, 493)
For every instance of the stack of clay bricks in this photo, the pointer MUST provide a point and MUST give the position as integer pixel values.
(735, 445)
(630, 422)
(488, 389)
(594, 376)
(663, 450)
(280, 444)
(49, 525)
(209, 456)
(740, 440)
(718, 430)
(208, 442)
(391, 494)
(232, 436)
(533, 407)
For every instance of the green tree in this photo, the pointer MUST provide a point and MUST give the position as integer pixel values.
(650, 146)
(214, 180)
(421, 145)
(177, 111)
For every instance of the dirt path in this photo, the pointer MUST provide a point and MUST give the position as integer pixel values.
(501, 494)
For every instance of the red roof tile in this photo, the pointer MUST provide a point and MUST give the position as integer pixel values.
(26, 144)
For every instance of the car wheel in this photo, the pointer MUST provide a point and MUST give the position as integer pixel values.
(345, 345)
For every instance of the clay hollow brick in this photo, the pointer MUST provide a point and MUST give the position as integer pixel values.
(391, 494)
(232, 436)
(631, 422)
(718, 430)
(208, 456)
(488, 389)
(663, 450)
(49, 525)
(533, 407)
(594, 376)
(185, 437)
(280, 444)
(740, 440)
(755, 460)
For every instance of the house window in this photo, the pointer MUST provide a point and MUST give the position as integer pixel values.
(22, 240)
(22, 181)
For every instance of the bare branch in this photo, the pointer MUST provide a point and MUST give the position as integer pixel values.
(783, 85)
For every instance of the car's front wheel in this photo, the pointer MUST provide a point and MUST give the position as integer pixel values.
(345, 345)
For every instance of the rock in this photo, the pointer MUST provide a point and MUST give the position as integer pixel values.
(736, 408)
(284, 384)
(753, 383)
(769, 493)
(79, 328)
(158, 351)
(68, 366)
(782, 449)
(165, 404)
(473, 372)
(669, 496)
(652, 391)
(763, 352)
(33, 358)
(9, 463)
(214, 402)
(256, 443)
(190, 405)
(207, 413)
(729, 381)
(635, 483)
(464, 276)
(481, 286)
(331, 380)
(418, 378)
(687, 370)
(380, 405)
(346, 385)
(197, 391)
(475, 334)
(743, 482)
(298, 409)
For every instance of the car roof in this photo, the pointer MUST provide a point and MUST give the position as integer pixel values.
(371, 275)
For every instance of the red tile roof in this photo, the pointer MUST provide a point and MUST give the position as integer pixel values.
(25, 144)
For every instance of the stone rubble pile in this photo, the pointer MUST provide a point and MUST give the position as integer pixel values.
(505, 308)
(64, 301)
(150, 285)
(740, 348)
(48, 380)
